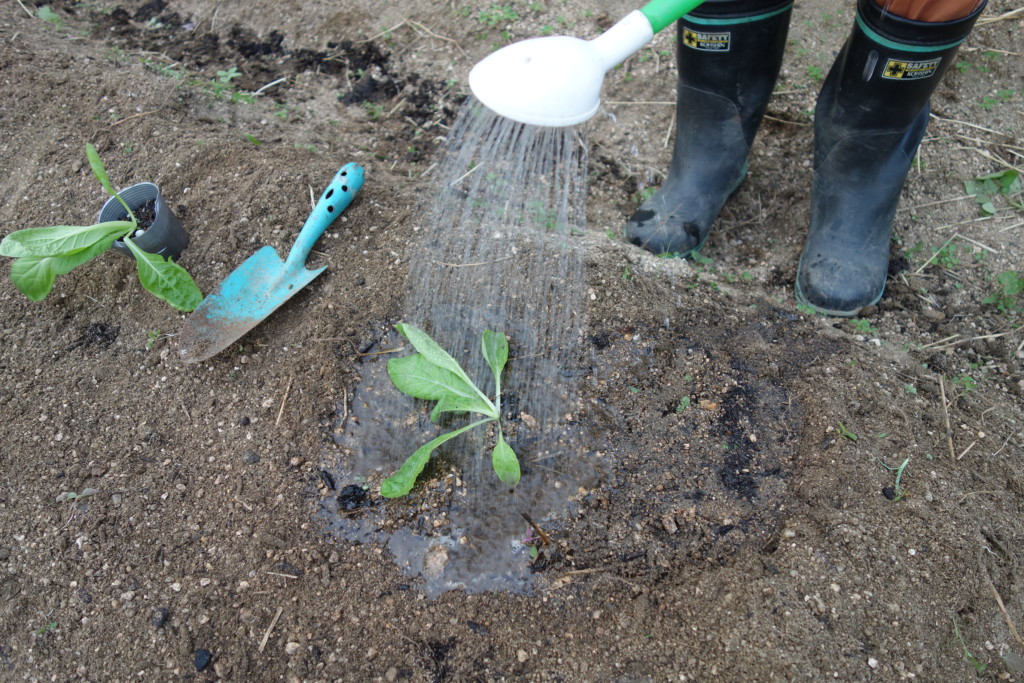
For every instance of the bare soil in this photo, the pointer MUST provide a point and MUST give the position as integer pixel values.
(744, 525)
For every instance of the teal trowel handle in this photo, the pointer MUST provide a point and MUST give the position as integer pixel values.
(338, 195)
(661, 13)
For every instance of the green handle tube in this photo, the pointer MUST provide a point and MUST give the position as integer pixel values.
(661, 13)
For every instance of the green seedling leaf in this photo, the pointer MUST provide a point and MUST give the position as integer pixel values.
(433, 352)
(505, 462)
(166, 280)
(417, 377)
(402, 481)
(34, 275)
(100, 171)
(458, 404)
(495, 350)
(58, 240)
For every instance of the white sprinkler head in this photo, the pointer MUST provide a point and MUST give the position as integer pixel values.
(555, 81)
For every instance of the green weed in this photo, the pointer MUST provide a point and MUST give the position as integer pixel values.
(846, 433)
(497, 14)
(946, 256)
(863, 326)
(1001, 97)
(45, 628)
(645, 194)
(229, 75)
(987, 188)
(967, 382)
(1007, 297)
(898, 492)
(978, 666)
(49, 16)
(166, 70)
(806, 309)
(701, 258)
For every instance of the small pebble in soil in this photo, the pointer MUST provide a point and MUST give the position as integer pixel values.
(202, 659)
(244, 422)
(251, 458)
(291, 648)
(159, 617)
(889, 492)
(478, 628)
(288, 568)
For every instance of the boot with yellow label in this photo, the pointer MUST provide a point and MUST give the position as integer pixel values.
(729, 53)
(870, 118)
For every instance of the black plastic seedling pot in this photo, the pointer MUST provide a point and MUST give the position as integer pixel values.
(165, 236)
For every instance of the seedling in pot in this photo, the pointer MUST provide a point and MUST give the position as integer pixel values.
(44, 253)
(433, 375)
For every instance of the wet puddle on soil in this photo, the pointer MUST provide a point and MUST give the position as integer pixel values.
(459, 528)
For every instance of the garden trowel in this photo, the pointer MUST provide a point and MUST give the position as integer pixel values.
(263, 282)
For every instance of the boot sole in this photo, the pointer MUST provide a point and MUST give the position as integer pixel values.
(801, 299)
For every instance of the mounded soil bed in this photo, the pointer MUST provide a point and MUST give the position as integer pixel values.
(744, 520)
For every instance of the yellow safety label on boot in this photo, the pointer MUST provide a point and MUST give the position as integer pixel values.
(901, 69)
(709, 42)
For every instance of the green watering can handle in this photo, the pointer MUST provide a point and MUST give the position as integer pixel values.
(661, 13)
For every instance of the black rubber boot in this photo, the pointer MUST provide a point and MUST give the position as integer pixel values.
(870, 117)
(729, 53)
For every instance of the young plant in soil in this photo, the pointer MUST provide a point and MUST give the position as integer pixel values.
(41, 254)
(433, 375)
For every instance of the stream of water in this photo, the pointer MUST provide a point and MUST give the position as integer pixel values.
(493, 250)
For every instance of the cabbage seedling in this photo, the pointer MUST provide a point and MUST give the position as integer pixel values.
(41, 254)
(433, 375)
